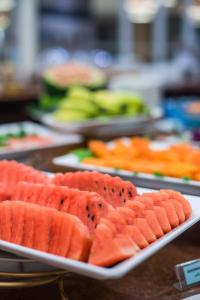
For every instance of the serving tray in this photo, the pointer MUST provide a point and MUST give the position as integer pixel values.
(114, 272)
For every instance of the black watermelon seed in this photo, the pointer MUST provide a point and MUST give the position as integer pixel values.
(87, 207)
(113, 190)
(100, 205)
(123, 190)
(61, 201)
(120, 194)
(124, 200)
(104, 188)
(92, 218)
(130, 194)
(88, 215)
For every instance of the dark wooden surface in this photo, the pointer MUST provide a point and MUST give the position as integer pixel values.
(154, 279)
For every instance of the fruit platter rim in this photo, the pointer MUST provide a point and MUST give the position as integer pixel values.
(114, 272)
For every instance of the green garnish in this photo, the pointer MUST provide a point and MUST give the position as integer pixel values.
(158, 174)
(135, 173)
(22, 132)
(4, 138)
(82, 153)
(186, 178)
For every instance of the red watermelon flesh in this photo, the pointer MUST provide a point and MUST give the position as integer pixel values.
(177, 208)
(3, 173)
(159, 212)
(88, 206)
(18, 217)
(117, 219)
(145, 229)
(169, 208)
(135, 234)
(3, 194)
(42, 223)
(177, 205)
(141, 211)
(51, 231)
(5, 221)
(123, 219)
(13, 172)
(29, 226)
(116, 248)
(128, 214)
(140, 223)
(80, 242)
(114, 190)
(54, 234)
(174, 195)
(55, 197)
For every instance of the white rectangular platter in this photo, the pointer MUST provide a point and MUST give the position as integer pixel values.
(117, 271)
(33, 128)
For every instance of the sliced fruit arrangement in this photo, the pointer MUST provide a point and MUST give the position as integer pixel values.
(114, 190)
(81, 104)
(22, 139)
(58, 79)
(136, 155)
(13, 172)
(88, 207)
(59, 233)
(85, 216)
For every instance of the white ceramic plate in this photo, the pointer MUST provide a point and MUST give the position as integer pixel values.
(30, 127)
(117, 271)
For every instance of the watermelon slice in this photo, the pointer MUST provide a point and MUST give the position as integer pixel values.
(136, 236)
(127, 217)
(150, 216)
(123, 219)
(116, 248)
(5, 221)
(173, 195)
(29, 226)
(114, 190)
(177, 205)
(57, 237)
(159, 211)
(41, 236)
(89, 207)
(44, 229)
(18, 217)
(13, 172)
(168, 206)
(80, 243)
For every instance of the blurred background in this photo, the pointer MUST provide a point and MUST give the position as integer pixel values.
(148, 47)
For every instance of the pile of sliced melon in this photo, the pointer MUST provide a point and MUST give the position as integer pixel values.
(86, 216)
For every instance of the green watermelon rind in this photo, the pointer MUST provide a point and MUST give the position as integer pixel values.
(53, 88)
